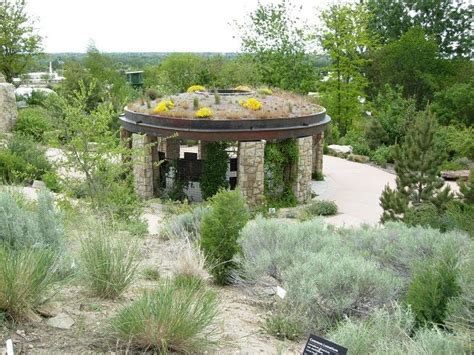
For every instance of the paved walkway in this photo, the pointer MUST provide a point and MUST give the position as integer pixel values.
(356, 189)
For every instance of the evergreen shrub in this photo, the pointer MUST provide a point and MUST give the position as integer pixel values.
(219, 233)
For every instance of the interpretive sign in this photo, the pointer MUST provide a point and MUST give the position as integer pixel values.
(316, 345)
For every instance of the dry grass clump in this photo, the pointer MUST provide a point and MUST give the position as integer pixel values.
(191, 261)
(176, 317)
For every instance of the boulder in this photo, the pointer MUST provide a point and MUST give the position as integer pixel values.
(61, 321)
(8, 112)
(455, 175)
(340, 149)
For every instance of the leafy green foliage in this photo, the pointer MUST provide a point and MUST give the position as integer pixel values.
(33, 122)
(277, 44)
(214, 169)
(317, 208)
(381, 156)
(219, 233)
(446, 21)
(417, 164)
(18, 38)
(455, 104)
(108, 262)
(283, 327)
(346, 40)
(432, 287)
(174, 317)
(280, 157)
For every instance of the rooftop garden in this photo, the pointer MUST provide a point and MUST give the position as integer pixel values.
(241, 102)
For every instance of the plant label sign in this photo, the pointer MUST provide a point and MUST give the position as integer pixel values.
(316, 345)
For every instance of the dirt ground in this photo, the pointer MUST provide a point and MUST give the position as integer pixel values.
(239, 322)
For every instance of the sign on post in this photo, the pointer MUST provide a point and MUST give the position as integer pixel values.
(319, 346)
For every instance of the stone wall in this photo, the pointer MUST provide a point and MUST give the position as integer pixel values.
(8, 111)
(302, 184)
(143, 165)
(172, 148)
(318, 144)
(250, 171)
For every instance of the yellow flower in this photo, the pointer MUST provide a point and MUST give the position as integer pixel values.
(251, 104)
(194, 88)
(243, 88)
(204, 112)
(163, 106)
(265, 91)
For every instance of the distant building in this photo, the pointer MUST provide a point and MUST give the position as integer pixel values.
(135, 78)
(39, 79)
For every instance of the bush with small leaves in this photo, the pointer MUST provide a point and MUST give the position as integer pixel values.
(177, 317)
(219, 233)
(33, 122)
(317, 208)
(382, 156)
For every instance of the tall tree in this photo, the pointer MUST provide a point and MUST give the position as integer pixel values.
(447, 21)
(278, 45)
(19, 42)
(346, 41)
(417, 164)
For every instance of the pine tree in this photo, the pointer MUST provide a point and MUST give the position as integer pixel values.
(417, 164)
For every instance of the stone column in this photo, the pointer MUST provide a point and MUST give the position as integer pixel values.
(202, 149)
(250, 176)
(318, 144)
(302, 183)
(172, 148)
(143, 165)
(8, 112)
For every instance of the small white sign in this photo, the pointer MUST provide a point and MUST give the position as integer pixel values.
(272, 210)
(9, 343)
(281, 292)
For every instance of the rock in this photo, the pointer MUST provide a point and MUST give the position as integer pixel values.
(8, 112)
(38, 184)
(455, 175)
(340, 149)
(61, 321)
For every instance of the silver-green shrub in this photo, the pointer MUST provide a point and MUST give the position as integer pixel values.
(186, 225)
(388, 331)
(39, 227)
(330, 274)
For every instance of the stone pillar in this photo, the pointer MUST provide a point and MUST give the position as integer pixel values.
(250, 175)
(172, 148)
(202, 149)
(8, 112)
(143, 165)
(318, 144)
(302, 183)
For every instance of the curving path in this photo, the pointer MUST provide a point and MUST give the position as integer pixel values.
(355, 188)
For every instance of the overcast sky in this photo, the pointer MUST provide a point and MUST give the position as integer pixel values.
(147, 25)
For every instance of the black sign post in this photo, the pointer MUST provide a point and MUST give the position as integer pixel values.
(319, 346)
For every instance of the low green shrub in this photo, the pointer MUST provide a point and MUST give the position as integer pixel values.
(26, 278)
(151, 274)
(282, 326)
(175, 317)
(318, 176)
(108, 262)
(219, 232)
(33, 122)
(433, 285)
(317, 208)
(382, 156)
(358, 158)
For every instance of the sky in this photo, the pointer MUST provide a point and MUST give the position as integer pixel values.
(147, 25)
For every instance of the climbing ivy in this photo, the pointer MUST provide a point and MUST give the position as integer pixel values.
(280, 163)
(214, 169)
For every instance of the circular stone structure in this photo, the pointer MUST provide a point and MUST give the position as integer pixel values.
(247, 117)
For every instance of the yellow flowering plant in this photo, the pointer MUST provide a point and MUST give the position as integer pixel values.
(243, 88)
(251, 104)
(204, 112)
(194, 88)
(265, 91)
(163, 106)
